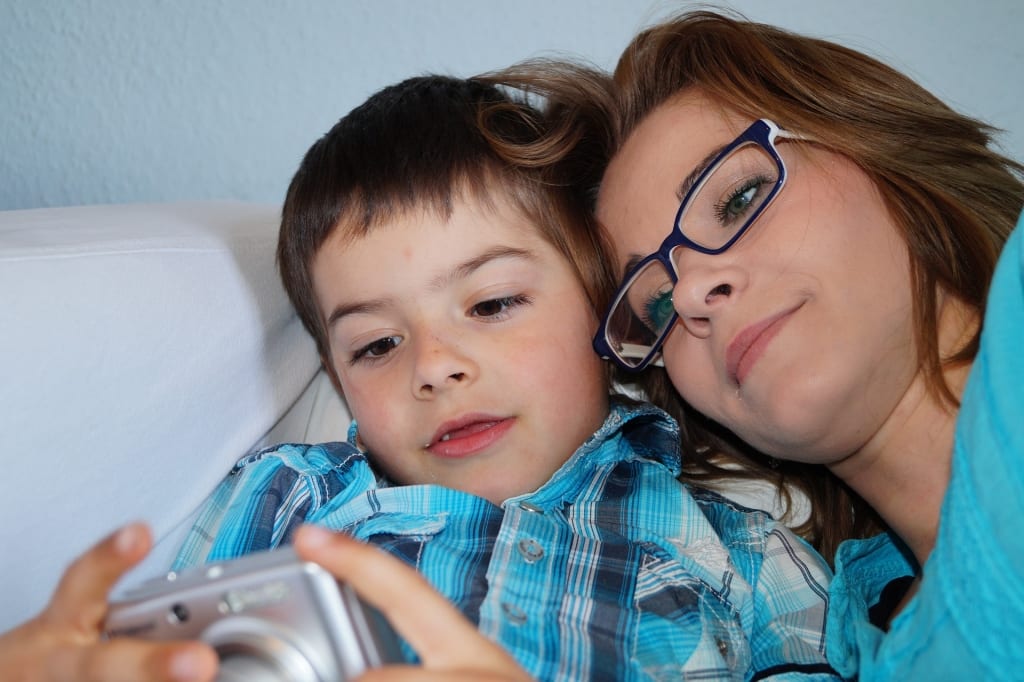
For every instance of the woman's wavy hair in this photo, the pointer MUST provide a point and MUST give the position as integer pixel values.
(953, 197)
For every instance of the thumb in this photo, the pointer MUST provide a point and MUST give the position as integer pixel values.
(445, 640)
(81, 596)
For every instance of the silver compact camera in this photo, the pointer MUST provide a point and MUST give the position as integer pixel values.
(269, 616)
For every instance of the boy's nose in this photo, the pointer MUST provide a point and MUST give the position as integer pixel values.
(440, 366)
(429, 389)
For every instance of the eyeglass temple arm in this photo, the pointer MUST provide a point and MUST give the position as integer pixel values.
(635, 350)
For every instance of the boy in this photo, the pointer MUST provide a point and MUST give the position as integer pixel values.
(452, 296)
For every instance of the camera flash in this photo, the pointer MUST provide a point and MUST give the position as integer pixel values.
(243, 599)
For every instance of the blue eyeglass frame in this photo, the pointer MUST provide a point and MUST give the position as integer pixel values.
(763, 133)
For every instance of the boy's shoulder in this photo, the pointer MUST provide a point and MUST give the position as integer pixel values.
(314, 458)
(646, 430)
(334, 466)
(736, 524)
(268, 493)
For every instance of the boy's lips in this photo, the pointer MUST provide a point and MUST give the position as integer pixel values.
(468, 435)
(746, 347)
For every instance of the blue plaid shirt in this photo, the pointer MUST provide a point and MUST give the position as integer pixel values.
(610, 570)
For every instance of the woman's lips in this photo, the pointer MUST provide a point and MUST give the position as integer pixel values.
(748, 346)
(468, 436)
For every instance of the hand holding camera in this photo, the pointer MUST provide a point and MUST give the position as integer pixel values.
(269, 616)
(65, 642)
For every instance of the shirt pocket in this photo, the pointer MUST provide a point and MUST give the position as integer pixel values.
(686, 628)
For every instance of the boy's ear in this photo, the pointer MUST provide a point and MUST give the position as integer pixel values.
(329, 368)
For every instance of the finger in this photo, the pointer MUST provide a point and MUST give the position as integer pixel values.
(128, 660)
(397, 673)
(81, 596)
(440, 634)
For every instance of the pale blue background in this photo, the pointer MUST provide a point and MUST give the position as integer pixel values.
(109, 101)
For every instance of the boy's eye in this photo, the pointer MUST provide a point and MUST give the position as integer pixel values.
(496, 306)
(376, 349)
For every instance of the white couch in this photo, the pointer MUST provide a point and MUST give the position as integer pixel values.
(143, 349)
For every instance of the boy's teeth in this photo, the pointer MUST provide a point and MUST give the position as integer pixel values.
(445, 437)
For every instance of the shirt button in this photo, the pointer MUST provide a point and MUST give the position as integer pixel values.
(530, 550)
(530, 507)
(513, 613)
(723, 647)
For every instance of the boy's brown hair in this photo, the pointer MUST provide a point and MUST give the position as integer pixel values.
(420, 145)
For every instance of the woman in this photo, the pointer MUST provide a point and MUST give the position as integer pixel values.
(807, 239)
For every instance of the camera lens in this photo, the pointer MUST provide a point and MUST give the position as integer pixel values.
(255, 654)
(250, 669)
(179, 614)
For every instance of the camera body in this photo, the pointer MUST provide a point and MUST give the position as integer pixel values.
(269, 616)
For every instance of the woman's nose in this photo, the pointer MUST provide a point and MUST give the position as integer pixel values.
(705, 286)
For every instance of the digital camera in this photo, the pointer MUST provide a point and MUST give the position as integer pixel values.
(269, 616)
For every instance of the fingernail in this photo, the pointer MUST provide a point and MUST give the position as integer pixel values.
(127, 539)
(316, 536)
(185, 666)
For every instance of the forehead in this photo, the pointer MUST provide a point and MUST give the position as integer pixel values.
(666, 145)
(420, 243)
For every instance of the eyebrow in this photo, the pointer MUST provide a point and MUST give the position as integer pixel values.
(460, 271)
(681, 191)
(634, 260)
(687, 184)
(467, 268)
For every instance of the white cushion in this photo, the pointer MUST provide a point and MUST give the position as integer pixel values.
(144, 349)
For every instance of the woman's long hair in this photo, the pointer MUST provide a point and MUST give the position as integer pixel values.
(954, 199)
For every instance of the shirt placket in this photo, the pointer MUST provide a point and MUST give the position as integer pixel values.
(526, 588)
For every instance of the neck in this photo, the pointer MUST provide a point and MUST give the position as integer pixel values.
(903, 471)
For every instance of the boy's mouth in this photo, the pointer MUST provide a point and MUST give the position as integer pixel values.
(468, 435)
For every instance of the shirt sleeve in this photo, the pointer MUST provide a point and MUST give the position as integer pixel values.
(266, 496)
(790, 609)
(967, 619)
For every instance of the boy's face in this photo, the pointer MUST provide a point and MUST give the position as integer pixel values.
(462, 348)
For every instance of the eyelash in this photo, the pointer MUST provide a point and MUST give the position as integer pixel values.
(362, 355)
(506, 303)
(722, 208)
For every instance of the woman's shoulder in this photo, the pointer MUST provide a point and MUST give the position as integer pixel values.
(864, 568)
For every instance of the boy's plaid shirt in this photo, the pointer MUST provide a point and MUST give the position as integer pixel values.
(610, 570)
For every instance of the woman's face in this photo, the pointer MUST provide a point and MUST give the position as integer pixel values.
(799, 338)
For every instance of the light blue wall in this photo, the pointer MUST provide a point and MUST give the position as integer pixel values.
(107, 101)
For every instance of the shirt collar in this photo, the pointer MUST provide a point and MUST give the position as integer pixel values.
(631, 431)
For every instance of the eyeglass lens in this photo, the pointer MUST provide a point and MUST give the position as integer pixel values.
(717, 211)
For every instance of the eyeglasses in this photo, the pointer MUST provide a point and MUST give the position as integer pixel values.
(722, 198)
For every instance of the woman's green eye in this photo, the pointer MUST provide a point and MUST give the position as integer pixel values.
(659, 311)
(739, 202)
(735, 208)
